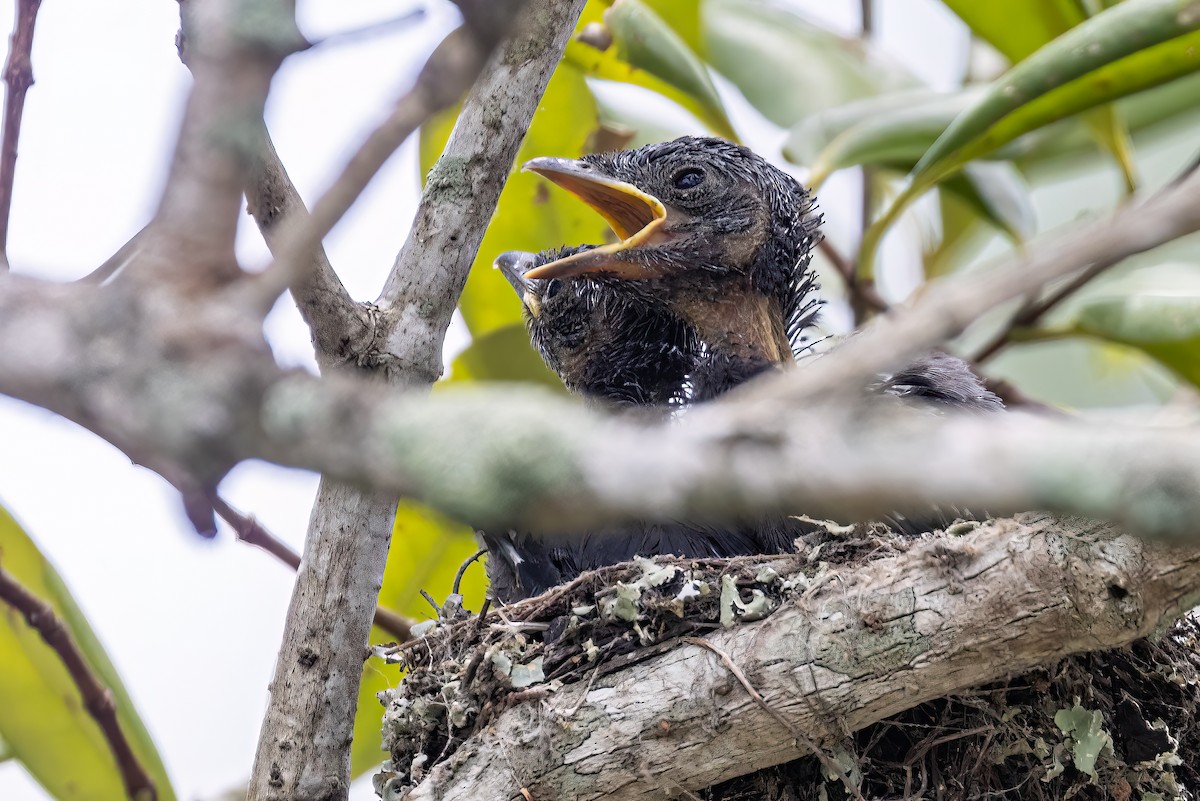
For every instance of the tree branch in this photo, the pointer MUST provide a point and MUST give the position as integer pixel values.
(463, 187)
(18, 76)
(450, 70)
(861, 644)
(233, 48)
(97, 699)
(302, 750)
(343, 331)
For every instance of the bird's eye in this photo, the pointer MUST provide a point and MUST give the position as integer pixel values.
(688, 179)
(553, 288)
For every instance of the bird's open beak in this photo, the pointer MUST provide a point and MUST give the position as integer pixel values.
(635, 216)
(513, 265)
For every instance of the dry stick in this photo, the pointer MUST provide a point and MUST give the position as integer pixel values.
(251, 532)
(97, 699)
(799, 736)
(18, 75)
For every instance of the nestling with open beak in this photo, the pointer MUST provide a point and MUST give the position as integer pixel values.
(716, 233)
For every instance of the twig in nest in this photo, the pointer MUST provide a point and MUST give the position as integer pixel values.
(458, 577)
(97, 699)
(799, 736)
(251, 532)
(18, 74)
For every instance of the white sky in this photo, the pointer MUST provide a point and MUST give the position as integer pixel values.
(193, 626)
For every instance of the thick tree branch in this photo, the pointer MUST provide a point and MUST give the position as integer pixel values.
(463, 187)
(233, 48)
(448, 73)
(18, 77)
(861, 644)
(97, 699)
(303, 749)
(342, 330)
(524, 458)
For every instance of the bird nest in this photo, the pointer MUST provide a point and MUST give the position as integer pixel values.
(1120, 724)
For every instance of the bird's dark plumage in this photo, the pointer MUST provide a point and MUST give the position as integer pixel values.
(709, 286)
(605, 343)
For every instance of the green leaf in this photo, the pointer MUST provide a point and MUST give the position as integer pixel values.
(1018, 27)
(42, 719)
(896, 128)
(531, 215)
(787, 67)
(684, 18)
(1125, 49)
(647, 52)
(1155, 310)
(1130, 47)
(427, 550)
(998, 194)
(503, 355)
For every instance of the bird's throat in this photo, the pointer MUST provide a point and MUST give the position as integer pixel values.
(742, 326)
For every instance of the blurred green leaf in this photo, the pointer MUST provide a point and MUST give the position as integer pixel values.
(1155, 309)
(42, 719)
(427, 550)
(503, 355)
(530, 215)
(684, 18)
(1018, 27)
(647, 52)
(787, 67)
(1128, 48)
(998, 194)
(896, 128)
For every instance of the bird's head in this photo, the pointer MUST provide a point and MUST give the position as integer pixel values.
(714, 230)
(603, 342)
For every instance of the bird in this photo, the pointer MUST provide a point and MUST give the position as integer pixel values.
(626, 352)
(718, 234)
(709, 286)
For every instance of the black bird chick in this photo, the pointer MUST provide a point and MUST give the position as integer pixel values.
(608, 345)
(719, 235)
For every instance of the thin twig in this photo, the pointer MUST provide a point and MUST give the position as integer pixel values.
(124, 255)
(862, 294)
(97, 699)
(370, 30)
(18, 75)
(798, 735)
(251, 532)
(462, 569)
(1032, 312)
(860, 303)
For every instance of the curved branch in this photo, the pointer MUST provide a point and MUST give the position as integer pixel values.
(18, 77)
(861, 645)
(97, 699)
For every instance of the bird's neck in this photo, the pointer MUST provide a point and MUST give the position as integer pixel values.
(745, 334)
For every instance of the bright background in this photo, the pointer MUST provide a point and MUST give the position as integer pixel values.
(191, 625)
